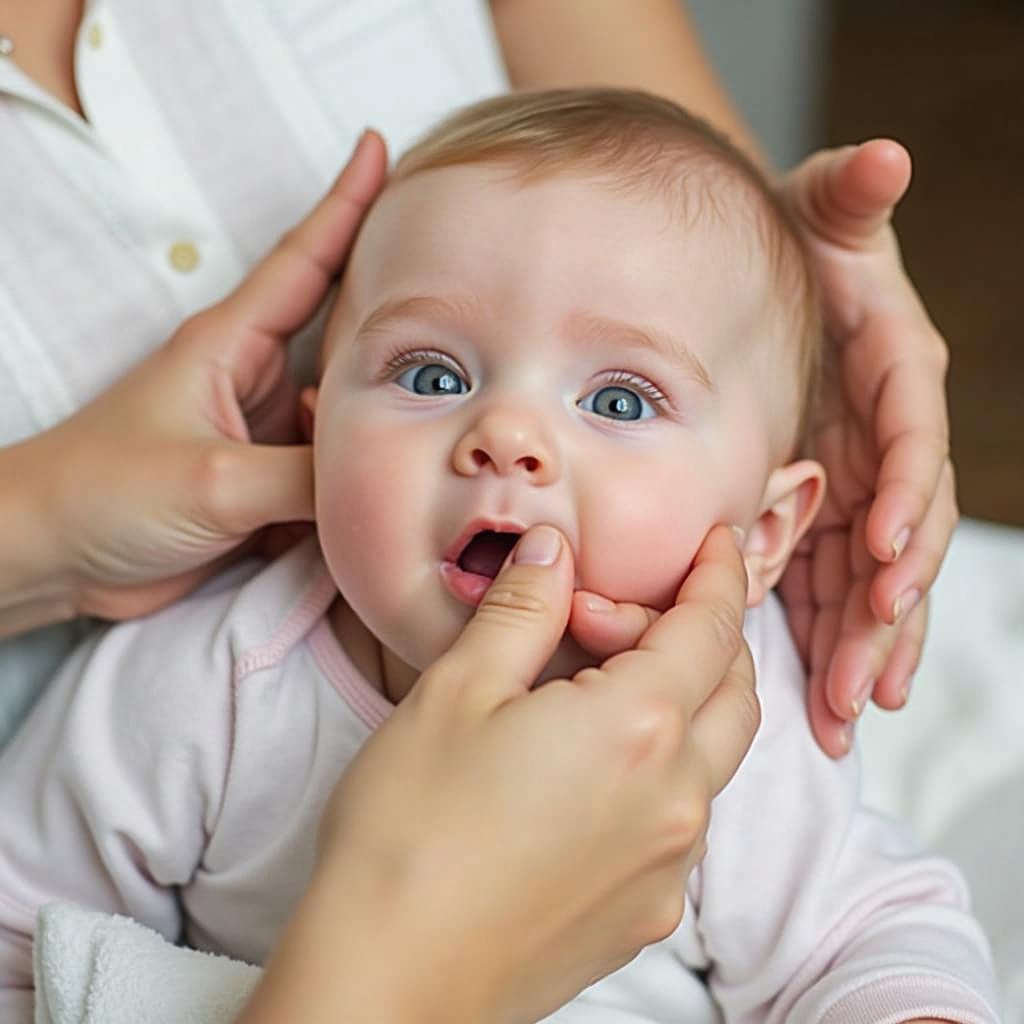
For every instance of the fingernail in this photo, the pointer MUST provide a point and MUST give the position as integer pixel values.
(740, 536)
(905, 603)
(846, 738)
(900, 542)
(905, 693)
(860, 699)
(539, 546)
(598, 604)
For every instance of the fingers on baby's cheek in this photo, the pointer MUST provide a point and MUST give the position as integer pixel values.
(604, 628)
(592, 625)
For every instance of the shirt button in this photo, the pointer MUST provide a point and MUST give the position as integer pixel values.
(95, 36)
(183, 256)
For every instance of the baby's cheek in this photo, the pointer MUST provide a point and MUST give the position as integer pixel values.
(357, 519)
(640, 550)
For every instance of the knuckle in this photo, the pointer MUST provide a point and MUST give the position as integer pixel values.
(590, 679)
(215, 483)
(686, 821)
(748, 711)
(654, 728)
(512, 602)
(665, 918)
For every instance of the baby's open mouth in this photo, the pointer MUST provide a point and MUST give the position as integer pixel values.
(486, 552)
(476, 557)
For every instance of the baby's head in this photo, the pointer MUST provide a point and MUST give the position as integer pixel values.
(582, 308)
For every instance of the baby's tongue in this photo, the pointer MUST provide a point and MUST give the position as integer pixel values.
(486, 552)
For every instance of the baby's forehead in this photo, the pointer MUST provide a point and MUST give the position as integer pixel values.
(438, 205)
(698, 190)
(575, 221)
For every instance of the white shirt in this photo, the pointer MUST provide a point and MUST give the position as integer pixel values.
(211, 127)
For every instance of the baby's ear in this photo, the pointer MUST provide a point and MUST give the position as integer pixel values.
(307, 411)
(791, 500)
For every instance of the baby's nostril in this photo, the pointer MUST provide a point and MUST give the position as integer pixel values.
(530, 463)
(480, 458)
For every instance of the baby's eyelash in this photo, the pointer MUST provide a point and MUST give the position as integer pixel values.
(644, 386)
(413, 357)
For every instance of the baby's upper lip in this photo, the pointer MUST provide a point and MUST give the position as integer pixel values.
(478, 525)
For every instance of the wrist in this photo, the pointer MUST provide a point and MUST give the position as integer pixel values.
(353, 953)
(36, 587)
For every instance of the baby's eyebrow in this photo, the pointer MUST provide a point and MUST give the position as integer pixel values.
(582, 325)
(448, 311)
(586, 326)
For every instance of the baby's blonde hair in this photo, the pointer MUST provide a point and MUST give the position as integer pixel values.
(645, 144)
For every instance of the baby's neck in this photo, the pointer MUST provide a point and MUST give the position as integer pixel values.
(385, 672)
(393, 678)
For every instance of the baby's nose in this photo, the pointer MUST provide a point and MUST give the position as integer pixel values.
(508, 442)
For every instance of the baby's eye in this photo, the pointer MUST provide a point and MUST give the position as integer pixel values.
(432, 379)
(618, 403)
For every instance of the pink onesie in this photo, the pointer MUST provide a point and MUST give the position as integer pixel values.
(176, 771)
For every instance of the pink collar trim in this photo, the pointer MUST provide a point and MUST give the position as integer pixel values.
(369, 704)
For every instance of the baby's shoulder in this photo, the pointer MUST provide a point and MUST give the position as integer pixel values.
(195, 650)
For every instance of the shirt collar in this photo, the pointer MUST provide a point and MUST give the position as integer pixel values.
(16, 84)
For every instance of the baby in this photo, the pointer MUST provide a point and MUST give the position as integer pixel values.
(581, 308)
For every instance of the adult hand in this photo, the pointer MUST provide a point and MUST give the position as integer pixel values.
(517, 844)
(854, 593)
(152, 485)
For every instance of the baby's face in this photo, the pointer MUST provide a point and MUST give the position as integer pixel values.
(506, 354)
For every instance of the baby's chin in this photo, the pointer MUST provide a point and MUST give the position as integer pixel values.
(567, 660)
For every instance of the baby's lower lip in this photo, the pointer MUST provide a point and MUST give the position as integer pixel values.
(467, 587)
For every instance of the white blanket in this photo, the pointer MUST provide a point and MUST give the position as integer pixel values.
(952, 763)
(94, 968)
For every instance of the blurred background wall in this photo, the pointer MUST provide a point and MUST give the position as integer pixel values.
(946, 78)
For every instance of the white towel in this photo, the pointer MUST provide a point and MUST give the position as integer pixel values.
(94, 968)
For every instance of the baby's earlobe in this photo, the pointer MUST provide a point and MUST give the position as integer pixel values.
(755, 566)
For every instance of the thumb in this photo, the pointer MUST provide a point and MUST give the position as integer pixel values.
(517, 625)
(847, 195)
(285, 288)
(257, 485)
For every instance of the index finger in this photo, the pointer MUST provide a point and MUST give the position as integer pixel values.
(847, 195)
(284, 289)
(687, 652)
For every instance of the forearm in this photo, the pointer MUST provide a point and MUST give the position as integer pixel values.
(34, 588)
(652, 45)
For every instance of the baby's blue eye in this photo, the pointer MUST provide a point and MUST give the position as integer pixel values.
(618, 403)
(432, 379)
